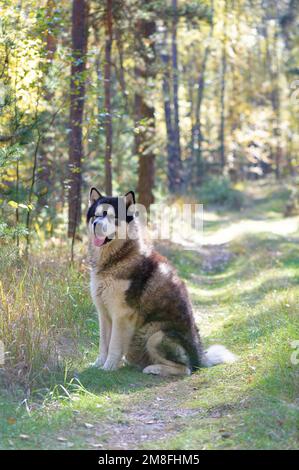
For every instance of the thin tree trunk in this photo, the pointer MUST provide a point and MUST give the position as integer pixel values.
(122, 81)
(77, 92)
(197, 138)
(171, 153)
(222, 95)
(175, 78)
(145, 111)
(277, 103)
(273, 71)
(30, 195)
(107, 87)
(45, 170)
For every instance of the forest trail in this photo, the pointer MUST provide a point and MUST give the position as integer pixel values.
(170, 411)
(245, 296)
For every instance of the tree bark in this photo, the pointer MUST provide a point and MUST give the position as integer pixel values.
(197, 137)
(77, 95)
(222, 94)
(171, 151)
(45, 165)
(145, 111)
(107, 88)
(276, 102)
(176, 114)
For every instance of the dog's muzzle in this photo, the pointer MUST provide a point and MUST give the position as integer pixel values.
(103, 230)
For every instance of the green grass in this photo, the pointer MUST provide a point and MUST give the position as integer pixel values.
(247, 301)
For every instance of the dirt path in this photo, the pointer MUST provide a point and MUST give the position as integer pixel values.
(148, 419)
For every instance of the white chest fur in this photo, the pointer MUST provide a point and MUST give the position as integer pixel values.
(109, 292)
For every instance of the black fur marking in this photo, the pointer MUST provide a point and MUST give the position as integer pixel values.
(132, 194)
(139, 278)
(116, 203)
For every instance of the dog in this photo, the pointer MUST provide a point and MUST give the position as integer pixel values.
(144, 310)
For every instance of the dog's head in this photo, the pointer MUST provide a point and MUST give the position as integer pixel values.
(108, 217)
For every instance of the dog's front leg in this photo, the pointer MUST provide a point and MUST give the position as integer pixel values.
(105, 335)
(122, 333)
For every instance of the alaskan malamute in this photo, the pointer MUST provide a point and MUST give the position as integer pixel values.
(144, 309)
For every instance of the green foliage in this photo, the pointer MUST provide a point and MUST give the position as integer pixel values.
(219, 190)
(8, 155)
(8, 234)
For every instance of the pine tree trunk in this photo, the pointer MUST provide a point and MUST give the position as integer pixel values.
(145, 111)
(44, 182)
(175, 78)
(107, 87)
(197, 138)
(171, 153)
(77, 95)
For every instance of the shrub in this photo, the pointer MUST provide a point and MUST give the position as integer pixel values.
(219, 190)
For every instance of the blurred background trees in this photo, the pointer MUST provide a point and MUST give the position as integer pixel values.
(163, 97)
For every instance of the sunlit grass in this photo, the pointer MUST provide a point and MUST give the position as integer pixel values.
(44, 310)
(253, 309)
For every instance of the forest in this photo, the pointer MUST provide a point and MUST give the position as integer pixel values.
(176, 100)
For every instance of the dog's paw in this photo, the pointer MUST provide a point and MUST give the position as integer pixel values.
(111, 365)
(98, 363)
(155, 369)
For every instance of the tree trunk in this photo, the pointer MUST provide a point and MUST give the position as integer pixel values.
(197, 137)
(44, 182)
(274, 74)
(122, 81)
(145, 111)
(175, 78)
(171, 152)
(107, 87)
(222, 94)
(276, 103)
(77, 95)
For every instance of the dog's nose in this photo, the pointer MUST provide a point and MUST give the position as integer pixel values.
(100, 225)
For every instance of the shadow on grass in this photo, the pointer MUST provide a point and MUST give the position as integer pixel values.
(122, 381)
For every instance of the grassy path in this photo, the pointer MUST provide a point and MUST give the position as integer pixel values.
(245, 293)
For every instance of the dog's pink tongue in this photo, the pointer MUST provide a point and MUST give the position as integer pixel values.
(98, 241)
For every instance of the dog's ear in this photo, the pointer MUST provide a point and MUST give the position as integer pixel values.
(94, 195)
(130, 198)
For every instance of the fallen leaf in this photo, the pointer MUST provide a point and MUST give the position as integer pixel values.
(11, 420)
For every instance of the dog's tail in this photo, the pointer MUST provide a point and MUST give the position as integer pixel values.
(217, 354)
